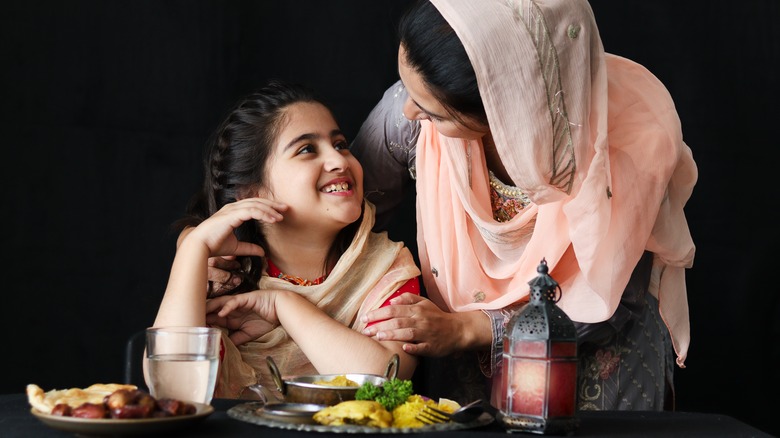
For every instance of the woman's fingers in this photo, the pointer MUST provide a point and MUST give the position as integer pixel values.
(422, 326)
(399, 315)
(409, 298)
(421, 349)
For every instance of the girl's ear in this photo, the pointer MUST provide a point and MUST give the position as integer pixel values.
(255, 192)
(243, 194)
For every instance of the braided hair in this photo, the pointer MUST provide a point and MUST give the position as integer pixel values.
(235, 168)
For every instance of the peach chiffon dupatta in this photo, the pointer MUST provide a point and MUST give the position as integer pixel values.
(593, 139)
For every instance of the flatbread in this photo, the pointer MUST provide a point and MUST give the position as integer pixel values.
(74, 397)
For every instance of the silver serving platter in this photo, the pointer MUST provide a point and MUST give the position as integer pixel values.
(253, 413)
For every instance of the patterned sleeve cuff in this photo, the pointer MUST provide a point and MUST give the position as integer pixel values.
(490, 360)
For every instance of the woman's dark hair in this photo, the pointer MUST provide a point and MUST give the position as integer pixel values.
(434, 50)
(235, 168)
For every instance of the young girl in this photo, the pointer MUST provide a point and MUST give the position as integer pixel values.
(283, 193)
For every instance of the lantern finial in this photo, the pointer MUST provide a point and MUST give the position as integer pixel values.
(542, 268)
(543, 286)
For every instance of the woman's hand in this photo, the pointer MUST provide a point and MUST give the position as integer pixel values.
(426, 329)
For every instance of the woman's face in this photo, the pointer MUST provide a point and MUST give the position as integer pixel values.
(421, 105)
(313, 172)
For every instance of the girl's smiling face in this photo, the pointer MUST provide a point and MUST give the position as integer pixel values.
(312, 170)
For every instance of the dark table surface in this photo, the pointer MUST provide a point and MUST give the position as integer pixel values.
(17, 421)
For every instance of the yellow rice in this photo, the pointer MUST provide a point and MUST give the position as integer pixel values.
(337, 381)
(405, 414)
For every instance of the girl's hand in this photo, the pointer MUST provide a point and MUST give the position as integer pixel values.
(248, 315)
(216, 232)
(220, 275)
(423, 326)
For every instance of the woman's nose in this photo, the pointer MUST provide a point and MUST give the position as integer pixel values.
(411, 111)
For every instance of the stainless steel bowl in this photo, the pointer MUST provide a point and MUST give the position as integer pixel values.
(302, 389)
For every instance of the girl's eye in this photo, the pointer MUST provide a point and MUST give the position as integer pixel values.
(306, 149)
(341, 145)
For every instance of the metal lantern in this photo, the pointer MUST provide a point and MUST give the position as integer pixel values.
(539, 377)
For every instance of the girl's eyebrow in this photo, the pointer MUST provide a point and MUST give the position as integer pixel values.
(311, 137)
(308, 136)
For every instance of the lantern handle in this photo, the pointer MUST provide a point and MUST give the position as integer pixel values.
(558, 294)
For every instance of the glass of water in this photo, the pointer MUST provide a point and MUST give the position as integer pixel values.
(182, 362)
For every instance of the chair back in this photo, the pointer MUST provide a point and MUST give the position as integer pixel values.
(134, 353)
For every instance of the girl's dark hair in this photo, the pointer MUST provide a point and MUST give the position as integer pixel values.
(235, 168)
(434, 51)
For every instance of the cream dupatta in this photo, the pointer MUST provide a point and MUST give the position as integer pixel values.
(593, 139)
(371, 269)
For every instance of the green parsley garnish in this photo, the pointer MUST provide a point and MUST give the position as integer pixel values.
(392, 393)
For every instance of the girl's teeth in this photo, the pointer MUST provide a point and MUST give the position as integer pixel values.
(341, 187)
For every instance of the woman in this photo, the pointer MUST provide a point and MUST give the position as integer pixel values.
(284, 194)
(523, 141)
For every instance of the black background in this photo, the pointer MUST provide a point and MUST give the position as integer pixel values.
(106, 107)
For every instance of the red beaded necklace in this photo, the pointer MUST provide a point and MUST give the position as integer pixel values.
(273, 271)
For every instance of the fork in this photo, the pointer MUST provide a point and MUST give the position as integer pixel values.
(431, 415)
(464, 414)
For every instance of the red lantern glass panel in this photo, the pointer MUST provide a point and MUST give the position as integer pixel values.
(563, 349)
(563, 381)
(528, 387)
(530, 349)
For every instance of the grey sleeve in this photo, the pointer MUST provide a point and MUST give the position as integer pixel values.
(385, 146)
(489, 361)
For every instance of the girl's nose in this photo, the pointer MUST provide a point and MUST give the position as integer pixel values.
(335, 160)
(411, 111)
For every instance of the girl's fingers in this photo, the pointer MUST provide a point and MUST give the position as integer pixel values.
(216, 303)
(249, 249)
(239, 337)
(224, 263)
(234, 303)
(279, 206)
(266, 208)
(220, 276)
